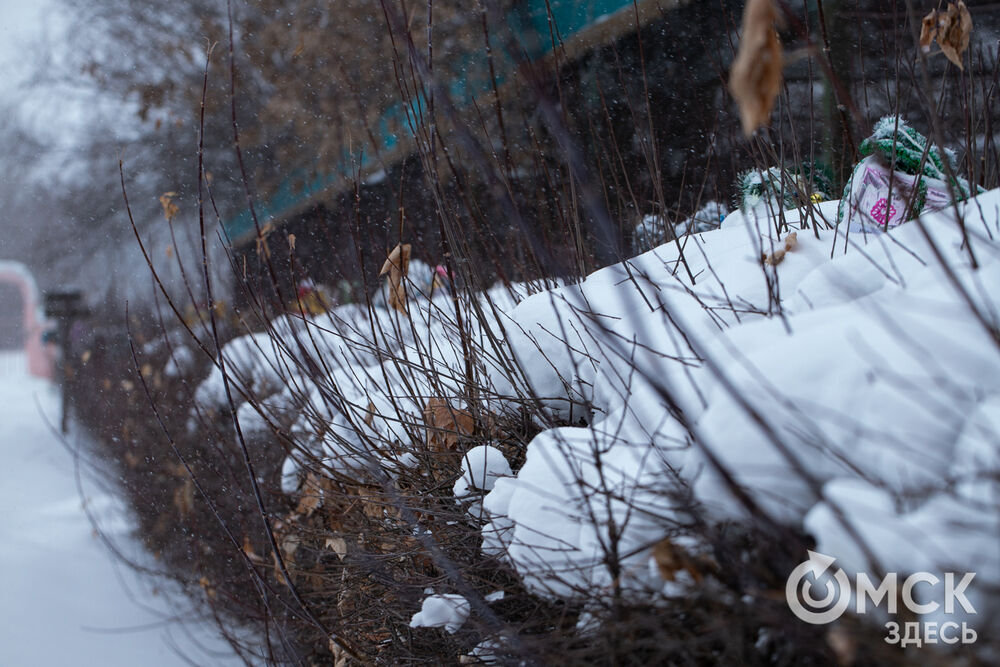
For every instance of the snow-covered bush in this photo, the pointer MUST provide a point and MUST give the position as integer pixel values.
(847, 398)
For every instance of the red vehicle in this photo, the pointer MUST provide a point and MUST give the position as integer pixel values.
(22, 324)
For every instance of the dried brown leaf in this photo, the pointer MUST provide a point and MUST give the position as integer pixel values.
(339, 654)
(670, 559)
(951, 29)
(337, 545)
(928, 30)
(206, 585)
(755, 77)
(778, 256)
(289, 545)
(954, 40)
(263, 249)
(312, 496)
(446, 425)
(396, 265)
(372, 510)
(169, 207)
(248, 549)
(184, 498)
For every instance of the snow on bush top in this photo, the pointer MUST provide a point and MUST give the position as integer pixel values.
(862, 370)
(858, 375)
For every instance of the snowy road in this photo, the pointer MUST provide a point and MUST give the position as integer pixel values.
(64, 600)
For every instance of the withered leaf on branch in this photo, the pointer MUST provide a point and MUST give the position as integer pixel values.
(249, 551)
(169, 207)
(289, 544)
(755, 77)
(339, 655)
(261, 240)
(671, 558)
(206, 585)
(337, 545)
(396, 265)
(951, 29)
(312, 496)
(928, 30)
(445, 425)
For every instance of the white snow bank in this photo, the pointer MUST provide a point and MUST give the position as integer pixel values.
(857, 373)
(448, 611)
(354, 382)
(482, 466)
(802, 381)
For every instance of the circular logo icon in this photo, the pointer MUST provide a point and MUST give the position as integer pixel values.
(815, 573)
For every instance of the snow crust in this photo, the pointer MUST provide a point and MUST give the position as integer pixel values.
(448, 611)
(482, 466)
(858, 375)
(869, 382)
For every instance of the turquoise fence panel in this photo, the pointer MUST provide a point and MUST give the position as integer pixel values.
(533, 24)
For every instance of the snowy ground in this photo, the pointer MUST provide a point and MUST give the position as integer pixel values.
(64, 599)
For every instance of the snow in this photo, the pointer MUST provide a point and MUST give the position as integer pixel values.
(447, 610)
(855, 380)
(64, 599)
(181, 361)
(550, 521)
(822, 373)
(482, 466)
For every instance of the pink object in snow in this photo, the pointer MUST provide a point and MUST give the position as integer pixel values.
(879, 211)
(21, 321)
(870, 208)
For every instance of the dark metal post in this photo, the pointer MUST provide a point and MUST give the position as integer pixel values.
(65, 308)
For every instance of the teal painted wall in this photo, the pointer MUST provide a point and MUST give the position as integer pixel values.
(529, 23)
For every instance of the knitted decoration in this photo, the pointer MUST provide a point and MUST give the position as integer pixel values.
(916, 180)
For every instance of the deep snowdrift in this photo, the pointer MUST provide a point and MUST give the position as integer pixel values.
(867, 382)
(856, 376)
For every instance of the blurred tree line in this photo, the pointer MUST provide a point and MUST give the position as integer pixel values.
(312, 80)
